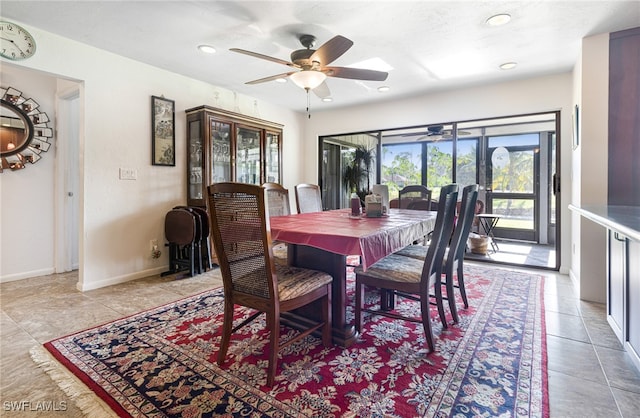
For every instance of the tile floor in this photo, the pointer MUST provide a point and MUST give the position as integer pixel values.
(520, 253)
(589, 373)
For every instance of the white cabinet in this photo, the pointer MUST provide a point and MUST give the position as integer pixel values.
(623, 270)
(617, 272)
(623, 291)
(632, 342)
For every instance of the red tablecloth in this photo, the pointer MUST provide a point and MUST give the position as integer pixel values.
(337, 232)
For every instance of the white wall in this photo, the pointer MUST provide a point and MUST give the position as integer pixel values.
(592, 157)
(119, 217)
(542, 94)
(576, 173)
(26, 214)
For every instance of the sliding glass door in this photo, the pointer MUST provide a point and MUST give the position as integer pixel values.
(349, 165)
(512, 159)
(512, 185)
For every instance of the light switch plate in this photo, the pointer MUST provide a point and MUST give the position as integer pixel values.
(128, 174)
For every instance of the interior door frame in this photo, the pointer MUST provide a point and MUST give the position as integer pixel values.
(68, 181)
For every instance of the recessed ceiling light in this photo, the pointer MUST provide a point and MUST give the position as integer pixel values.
(383, 89)
(207, 49)
(327, 99)
(498, 20)
(281, 80)
(508, 65)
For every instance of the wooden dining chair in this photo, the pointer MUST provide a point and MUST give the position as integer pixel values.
(242, 240)
(416, 197)
(278, 205)
(410, 276)
(277, 199)
(454, 255)
(308, 198)
(414, 193)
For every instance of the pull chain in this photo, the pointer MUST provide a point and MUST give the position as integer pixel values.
(308, 104)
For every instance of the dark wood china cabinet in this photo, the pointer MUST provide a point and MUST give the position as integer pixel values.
(228, 146)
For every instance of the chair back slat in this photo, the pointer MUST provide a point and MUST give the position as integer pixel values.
(240, 232)
(441, 234)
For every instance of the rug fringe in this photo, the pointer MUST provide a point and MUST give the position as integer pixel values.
(87, 401)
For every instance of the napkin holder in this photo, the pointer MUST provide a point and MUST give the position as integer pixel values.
(383, 191)
(373, 205)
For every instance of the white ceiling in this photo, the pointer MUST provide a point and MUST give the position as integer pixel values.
(430, 45)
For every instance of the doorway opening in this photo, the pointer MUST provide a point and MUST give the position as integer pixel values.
(68, 213)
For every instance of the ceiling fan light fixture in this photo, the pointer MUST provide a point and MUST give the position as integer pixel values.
(308, 79)
(207, 49)
(499, 19)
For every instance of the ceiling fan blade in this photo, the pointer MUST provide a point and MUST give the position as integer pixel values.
(331, 50)
(270, 78)
(264, 57)
(322, 90)
(355, 73)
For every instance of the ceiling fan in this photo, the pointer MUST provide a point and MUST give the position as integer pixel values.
(436, 133)
(311, 65)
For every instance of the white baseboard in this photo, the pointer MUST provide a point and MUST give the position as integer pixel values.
(26, 275)
(83, 287)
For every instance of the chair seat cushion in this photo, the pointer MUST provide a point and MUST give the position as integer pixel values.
(414, 251)
(280, 251)
(418, 251)
(296, 281)
(394, 268)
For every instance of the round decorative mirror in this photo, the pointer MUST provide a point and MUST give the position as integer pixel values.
(24, 133)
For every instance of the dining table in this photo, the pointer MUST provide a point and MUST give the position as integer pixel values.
(323, 241)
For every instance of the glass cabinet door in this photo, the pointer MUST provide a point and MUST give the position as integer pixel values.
(221, 151)
(248, 155)
(195, 160)
(272, 157)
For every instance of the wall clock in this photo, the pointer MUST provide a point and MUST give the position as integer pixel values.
(16, 43)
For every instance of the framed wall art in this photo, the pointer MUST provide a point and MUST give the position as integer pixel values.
(163, 139)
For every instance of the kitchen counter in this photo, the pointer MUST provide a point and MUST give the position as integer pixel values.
(624, 219)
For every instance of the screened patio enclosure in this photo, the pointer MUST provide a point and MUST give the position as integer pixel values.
(513, 159)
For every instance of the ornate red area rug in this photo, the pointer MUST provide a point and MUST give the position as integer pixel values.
(161, 362)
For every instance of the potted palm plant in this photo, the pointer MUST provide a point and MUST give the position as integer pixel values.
(356, 175)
